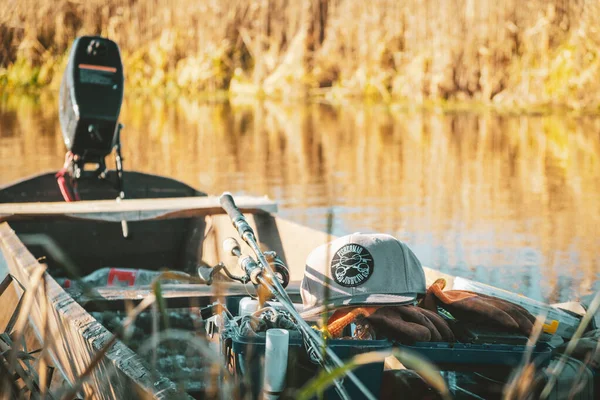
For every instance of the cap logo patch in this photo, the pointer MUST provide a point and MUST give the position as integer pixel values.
(351, 265)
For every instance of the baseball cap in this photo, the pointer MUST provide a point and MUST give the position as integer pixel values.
(360, 269)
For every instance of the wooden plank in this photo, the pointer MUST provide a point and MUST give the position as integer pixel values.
(77, 336)
(133, 209)
(175, 291)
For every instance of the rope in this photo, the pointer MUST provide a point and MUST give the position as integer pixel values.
(68, 194)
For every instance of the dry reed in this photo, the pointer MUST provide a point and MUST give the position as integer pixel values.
(509, 52)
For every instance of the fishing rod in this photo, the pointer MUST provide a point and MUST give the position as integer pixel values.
(254, 275)
(262, 273)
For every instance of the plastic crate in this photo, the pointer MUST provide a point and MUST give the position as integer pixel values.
(480, 357)
(249, 360)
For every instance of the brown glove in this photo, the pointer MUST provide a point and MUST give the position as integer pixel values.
(474, 307)
(408, 324)
(344, 317)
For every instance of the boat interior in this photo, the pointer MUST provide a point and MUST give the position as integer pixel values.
(170, 227)
(160, 339)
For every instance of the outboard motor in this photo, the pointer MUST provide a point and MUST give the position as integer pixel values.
(91, 94)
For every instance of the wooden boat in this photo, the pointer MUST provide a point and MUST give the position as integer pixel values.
(178, 229)
(175, 233)
(157, 223)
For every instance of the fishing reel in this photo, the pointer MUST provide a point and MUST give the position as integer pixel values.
(247, 264)
(261, 273)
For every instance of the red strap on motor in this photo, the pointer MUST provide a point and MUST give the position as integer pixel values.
(62, 185)
(61, 179)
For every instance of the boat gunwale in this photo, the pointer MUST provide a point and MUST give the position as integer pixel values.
(69, 319)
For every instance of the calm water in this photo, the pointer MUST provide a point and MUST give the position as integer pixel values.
(509, 200)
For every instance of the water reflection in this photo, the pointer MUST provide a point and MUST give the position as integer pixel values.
(509, 200)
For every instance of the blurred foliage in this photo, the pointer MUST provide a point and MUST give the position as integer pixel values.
(542, 53)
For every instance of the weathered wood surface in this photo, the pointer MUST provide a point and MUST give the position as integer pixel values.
(132, 209)
(175, 296)
(168, 291)
(77, 336)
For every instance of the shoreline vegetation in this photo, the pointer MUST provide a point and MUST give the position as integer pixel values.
(537, 55)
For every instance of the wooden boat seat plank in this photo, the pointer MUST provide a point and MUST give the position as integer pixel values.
(133, 209)
(173, 291)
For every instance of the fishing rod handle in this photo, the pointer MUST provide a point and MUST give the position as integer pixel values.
(236, 216)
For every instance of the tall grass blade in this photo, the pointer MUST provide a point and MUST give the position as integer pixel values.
(409, 359)
(523, 376)
(161, 303)
(592, 310)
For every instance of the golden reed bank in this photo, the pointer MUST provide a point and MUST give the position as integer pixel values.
(510, 53)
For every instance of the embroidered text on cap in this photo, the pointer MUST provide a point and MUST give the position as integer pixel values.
(351, 265)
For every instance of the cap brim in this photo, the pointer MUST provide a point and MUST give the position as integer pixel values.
(359, 300)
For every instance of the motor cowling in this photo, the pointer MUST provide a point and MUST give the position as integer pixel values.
(91, 94)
